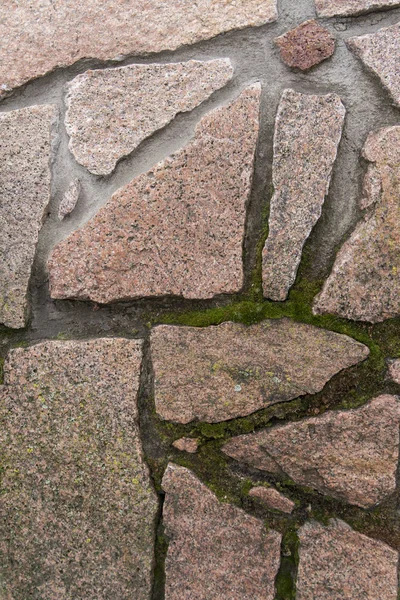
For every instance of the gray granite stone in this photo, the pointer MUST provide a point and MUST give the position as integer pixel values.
(394, 370)
(345, 8)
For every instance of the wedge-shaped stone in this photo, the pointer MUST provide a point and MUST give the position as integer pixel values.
(307, 134)
(337, 562)
(36, 37)
(351, 455)
(273, 499)
(25, 144)
(380, 52)
(332, 8)
(177, 230)
(222, 372)
(77, 511)
(364, 284)
(110, 112)
(216, 550)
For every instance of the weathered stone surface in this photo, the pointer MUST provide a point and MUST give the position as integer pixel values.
(332, 8)
(187, 445)
(364, 284)
(306, 46)
(394, 370)
(307, 134)
(77, 511)
(273, 499)
(216, 550)
(25, 144)
(351, 455)
(337, 562)
(109, 112)
(177, 230)
(69, 199)
(230, 370)
(35, 38)
(380, 52)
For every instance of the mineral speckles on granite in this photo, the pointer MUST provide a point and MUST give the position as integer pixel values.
(176, 230)
(35, 38)
(110, 112)
(25, 146)
(307, 134)
(186, 444)
(216, 550)
(394, 370)
(332, 8)
(78, 509)
(337, 562)
(222, 372)
(273, 499)
(364, 284)
(306, 46)
(69, 199)
(351, 455)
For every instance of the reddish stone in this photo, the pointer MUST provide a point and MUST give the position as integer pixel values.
(273, 499)
(306, 46)
(345, 8)
(186, 445)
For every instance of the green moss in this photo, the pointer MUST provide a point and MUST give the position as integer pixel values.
(286, 579)
(160, 554)
(1, 370)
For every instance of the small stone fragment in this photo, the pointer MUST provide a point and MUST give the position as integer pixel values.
(78, 510)
(176, 230)
(345, 8)
(25, 146)
(337, 562)
(187, 445)
(222, 372)
(380, 52)
(394, 370)
(364, 284)
(70, 199)
(350, 455)
(216, 550)
(306, 46)
(109, 112)
(273, 499)
(307, 134)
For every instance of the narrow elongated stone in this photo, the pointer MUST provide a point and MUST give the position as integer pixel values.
(351, 455)
(273, 499)
(394, 370)
(345, 8)
(25, 145)
(216, 550)
(230, 370)
(176, 230)
(69, 199)
(78, 510)
(306, 46)
(307, 134)
(109, 112)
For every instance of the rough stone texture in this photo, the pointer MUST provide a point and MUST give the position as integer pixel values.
(25, 145)
(337, 562)
(380, 52)
(78, 510)
(273, 499)
(307, 134)
(70, 199)
(394, 370)
(35, 38)
(332, 8)
(364, 284)
(306, 46)
(110, 112)
(187, 445)
(177, 230)
(230, 370)
(351, 455)
(216, 550)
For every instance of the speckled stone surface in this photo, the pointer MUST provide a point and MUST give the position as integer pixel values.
(307, 134)
(176, 230)
(25, 148)
(36, 37)
(337, 562)
(364, 284)
(350, 455)
(306, 46)
(109, 112)
(186, 444)
(273, 499)
(78, 510)
(222, 372)
(331, 8)
(216, 550)
(394, 370)
(69, 199)
(380, 53)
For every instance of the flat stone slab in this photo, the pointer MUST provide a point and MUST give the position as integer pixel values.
(337, 562)
(307, 134)
(332, 8)
(306, 46)
(380, 53)
(364, 284)
(25, 147)
(78, 510)
(394, 370)
(36, 38)
(176, 230)
(109, 112)
(222, 372)
(351, 455)
(273, 499)
(186, 444)
(216, 550)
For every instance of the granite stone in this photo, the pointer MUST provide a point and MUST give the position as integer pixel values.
(394, 370)
(186, 444)
(222, 372)
(69, 199)
(307, 134)
(345, 8)
(273, 499)
(306, 46)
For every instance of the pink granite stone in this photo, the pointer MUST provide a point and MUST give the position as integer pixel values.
(394, 370)
(69, 199)
(273, 499)
(306, 46)
(345, 8)
(186, 444)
